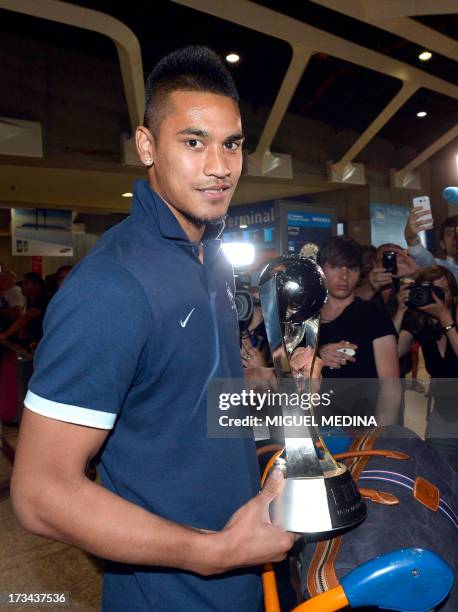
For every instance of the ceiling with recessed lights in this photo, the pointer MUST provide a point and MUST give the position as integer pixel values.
(340, 85)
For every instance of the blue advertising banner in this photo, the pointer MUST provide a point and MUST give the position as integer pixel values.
(42, 232)
(307, 227)
(388, 223)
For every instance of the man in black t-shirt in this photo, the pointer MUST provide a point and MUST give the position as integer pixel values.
(362, 329)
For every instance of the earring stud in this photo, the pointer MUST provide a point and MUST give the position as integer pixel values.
(148, 162)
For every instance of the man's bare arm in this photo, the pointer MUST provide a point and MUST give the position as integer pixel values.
(52, 497)
(387, 363)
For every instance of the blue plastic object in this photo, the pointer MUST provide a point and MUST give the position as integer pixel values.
(335, 439)
(408, 580)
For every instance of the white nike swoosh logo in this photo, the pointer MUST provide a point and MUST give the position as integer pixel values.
(183, 323)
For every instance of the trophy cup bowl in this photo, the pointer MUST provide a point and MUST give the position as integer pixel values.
(319, 498)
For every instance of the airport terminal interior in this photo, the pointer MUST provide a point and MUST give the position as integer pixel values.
(350, 123)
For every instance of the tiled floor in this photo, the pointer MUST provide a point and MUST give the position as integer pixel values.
(30, 563)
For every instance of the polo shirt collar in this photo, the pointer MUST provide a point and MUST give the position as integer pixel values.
(148, 204)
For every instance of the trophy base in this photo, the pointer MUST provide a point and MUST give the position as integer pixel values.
(319, 507)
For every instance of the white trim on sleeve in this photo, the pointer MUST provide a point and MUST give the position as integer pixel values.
(68, 413)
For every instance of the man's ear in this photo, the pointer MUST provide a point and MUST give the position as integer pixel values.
(145, 145)
(442, 245)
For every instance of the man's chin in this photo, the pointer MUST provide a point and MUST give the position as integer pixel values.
(342, 295)
(201, 221)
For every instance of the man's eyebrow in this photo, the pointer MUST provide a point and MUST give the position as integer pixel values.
(193, 132)
(203, 134)
(236, 136)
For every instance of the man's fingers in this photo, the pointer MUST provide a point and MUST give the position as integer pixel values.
(423, 223)
(302, 358)
(417, 211)
(272, 486)
(346, 344)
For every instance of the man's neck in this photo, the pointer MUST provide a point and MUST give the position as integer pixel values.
(334, 307)
(193, 232)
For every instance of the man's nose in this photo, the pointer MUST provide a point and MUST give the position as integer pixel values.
(216, 163)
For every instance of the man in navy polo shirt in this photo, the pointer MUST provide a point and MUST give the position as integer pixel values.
(131, 340)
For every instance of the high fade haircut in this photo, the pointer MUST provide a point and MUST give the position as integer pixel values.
(192, 68)
(341, 251)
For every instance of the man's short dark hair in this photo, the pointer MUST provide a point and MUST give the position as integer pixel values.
(193, 68)
(449, 222)
(341, 251)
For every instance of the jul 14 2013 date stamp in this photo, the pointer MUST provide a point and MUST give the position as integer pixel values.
(34, 599)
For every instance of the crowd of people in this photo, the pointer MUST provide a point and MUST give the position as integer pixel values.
(371, 328)
(23, 305)
(368, 329)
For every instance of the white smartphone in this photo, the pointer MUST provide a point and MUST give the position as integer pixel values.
(423, 202)
(347, 351)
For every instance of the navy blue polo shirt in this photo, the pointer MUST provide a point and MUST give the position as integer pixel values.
(131, 340)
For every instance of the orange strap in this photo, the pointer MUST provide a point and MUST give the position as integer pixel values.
(270, 464)
(329, 601)
(269, 448)
(269, 583)
(372, 453)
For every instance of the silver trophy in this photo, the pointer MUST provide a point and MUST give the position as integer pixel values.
(320, 498)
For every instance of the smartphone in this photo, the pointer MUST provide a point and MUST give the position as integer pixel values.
(423, 202)
(347, 351)
(389, 262)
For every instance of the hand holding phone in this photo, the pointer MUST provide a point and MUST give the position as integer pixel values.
(426, 217)
(389, 262)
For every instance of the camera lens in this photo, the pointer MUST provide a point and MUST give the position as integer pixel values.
(244, 304)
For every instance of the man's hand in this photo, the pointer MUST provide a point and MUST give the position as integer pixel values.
(251, 356)
(438, 310)
(379, 277)
(333, 358)
(417, 222)
(249, 537)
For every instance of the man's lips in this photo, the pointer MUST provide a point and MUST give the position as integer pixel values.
(214, 188)
(214, 192)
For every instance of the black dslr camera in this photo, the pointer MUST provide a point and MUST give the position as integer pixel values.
(421, 294)
(243, 300)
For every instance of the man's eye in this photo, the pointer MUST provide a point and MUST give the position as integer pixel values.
(194, 144)
(232, 146)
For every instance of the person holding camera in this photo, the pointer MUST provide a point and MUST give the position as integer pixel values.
(448, 240)
(432, 303)
(434, 323)
(394, 268)
(390, 265)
